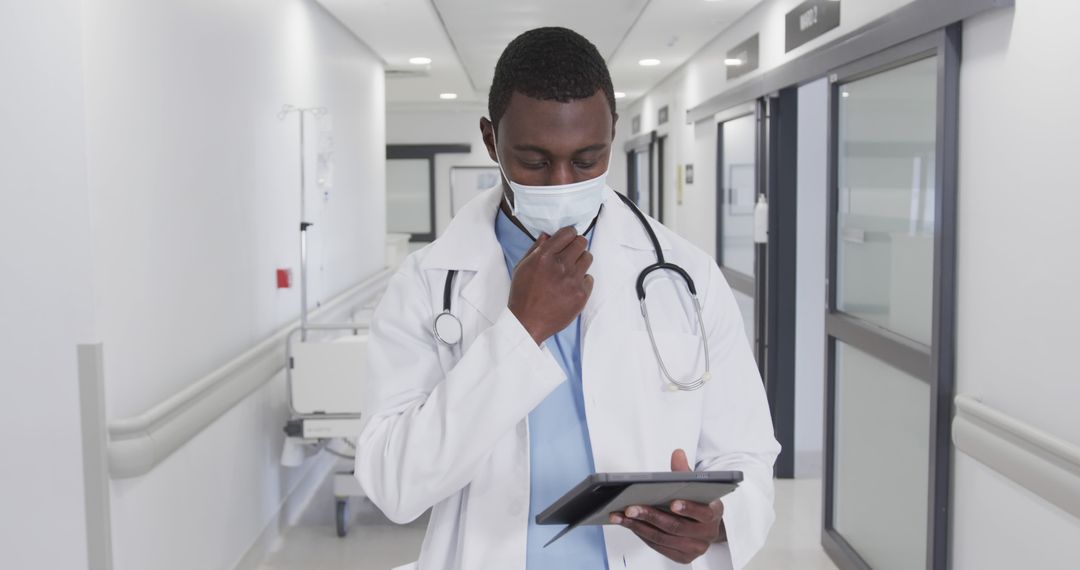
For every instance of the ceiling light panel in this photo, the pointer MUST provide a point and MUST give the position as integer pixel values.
(481, 28)
(697, 23)
(399, 32)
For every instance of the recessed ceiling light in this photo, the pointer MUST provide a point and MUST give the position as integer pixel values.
(619, 94)
(420, 60)
(845, 94)
(734, 61)
(649, 62)
(447, 95)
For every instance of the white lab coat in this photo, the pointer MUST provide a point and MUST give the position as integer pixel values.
(447, 427)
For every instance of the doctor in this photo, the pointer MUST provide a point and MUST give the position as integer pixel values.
(553, 374)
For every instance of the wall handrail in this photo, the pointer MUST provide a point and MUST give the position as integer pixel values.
(1039, 461)
(140, 442)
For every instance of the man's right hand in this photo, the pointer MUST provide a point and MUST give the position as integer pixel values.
(549, 286)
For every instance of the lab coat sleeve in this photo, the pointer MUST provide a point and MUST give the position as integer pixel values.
(737, 431)
(425, 432)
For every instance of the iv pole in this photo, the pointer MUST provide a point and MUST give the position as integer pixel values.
(304, 225)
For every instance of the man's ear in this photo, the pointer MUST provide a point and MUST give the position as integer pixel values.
(487, 131)
(614, 121)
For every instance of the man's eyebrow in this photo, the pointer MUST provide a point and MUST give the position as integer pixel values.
(542, 150)
(531, 148)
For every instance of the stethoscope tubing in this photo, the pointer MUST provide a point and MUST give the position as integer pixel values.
(639, 285)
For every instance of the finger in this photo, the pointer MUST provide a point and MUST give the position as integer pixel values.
(573, 250)
(697, 511)
(584, 261)
(539, 242)
(588, 283)
(617, 518)
(560, 240)
(671, 553)
(536, 244)
(658, 539)
(679, 461)
(671, 524)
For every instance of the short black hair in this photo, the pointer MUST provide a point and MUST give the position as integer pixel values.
(549, 64)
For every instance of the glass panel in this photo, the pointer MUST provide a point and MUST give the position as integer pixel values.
(885, 204)
(739, 195)
(468, 182)
(641, 162)
(408, 195)
(746, 307)
(881, 460)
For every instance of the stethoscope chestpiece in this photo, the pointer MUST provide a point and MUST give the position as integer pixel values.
(447, 328)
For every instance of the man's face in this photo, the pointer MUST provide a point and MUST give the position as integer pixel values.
(547, 143)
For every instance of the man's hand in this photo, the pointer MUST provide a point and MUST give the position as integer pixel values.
(686, 532)
(549, 287)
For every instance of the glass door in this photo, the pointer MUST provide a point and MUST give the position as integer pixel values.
(737, 181)
(889, 323)
(640, 178)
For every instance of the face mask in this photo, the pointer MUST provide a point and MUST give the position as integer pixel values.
(547, 209)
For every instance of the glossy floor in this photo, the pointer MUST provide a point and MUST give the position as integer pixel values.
(375, 543)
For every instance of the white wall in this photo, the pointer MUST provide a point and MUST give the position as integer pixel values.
(193, 202)
(46, 297)
(1018, 276)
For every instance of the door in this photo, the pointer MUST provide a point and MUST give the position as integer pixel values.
(891, 301)
(641, 173)
(737, 180)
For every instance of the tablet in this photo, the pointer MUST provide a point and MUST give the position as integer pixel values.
(591, 501)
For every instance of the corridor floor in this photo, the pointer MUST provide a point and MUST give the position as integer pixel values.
(374, 543)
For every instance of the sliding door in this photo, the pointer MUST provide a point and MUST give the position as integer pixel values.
(738, 185)
(891, 301)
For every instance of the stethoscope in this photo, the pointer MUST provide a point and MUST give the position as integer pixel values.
(447, 327)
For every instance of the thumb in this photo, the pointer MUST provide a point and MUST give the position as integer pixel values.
(679, 461)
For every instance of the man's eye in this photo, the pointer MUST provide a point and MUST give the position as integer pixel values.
(534, 165)
(585, 165)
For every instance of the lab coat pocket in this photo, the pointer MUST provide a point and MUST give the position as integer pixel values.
(666, 353)
(675, 414)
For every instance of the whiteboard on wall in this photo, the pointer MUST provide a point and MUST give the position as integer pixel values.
(467, 182)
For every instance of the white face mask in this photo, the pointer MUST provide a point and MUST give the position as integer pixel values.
(547, 209)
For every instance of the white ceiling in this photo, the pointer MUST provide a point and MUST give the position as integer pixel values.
(465, 37)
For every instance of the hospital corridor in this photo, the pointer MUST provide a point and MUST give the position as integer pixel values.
(539, 285)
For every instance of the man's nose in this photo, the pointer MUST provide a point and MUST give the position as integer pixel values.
(563, 173)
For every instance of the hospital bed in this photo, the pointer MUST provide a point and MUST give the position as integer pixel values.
(324, 382)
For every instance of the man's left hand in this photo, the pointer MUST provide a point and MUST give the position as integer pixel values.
(683, 534)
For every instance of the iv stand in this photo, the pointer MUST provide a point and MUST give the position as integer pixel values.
(304, 225)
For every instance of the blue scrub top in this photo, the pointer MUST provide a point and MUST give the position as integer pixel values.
(560, 454)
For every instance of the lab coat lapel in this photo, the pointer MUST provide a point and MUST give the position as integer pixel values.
(618, 235)
(469, 245)
(611, 270)
(489, 290)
